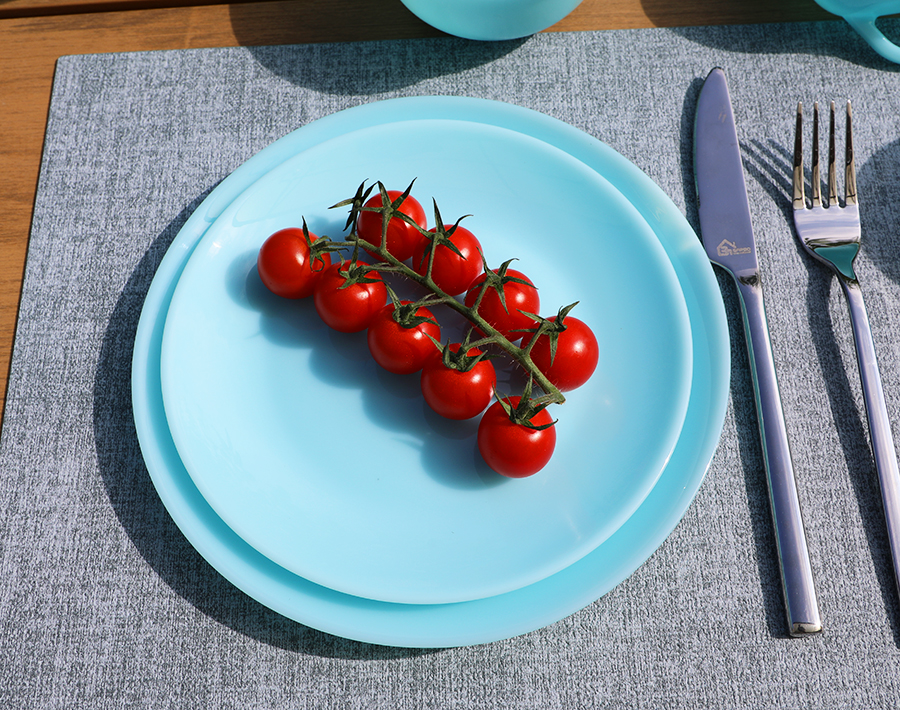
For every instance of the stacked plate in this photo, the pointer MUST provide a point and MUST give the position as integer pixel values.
(323, 486)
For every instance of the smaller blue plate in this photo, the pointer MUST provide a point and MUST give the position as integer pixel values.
(338, 471)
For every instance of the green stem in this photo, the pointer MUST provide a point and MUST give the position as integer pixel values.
(492, 335)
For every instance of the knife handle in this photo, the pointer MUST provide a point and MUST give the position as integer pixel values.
(796, 572)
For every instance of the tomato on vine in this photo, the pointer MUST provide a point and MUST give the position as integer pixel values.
(401, 337)
(516, 435)
(348, 297)
(567, 353)
(458, 386)
(285, 264)
(511, 446)
(454, 256)
(402, 237)
(509, 297)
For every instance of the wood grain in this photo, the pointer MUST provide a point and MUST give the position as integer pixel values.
(34, 33)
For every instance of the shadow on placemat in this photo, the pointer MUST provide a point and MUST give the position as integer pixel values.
(880, 208)
(368, 68)
(825, 38)
(141, 511)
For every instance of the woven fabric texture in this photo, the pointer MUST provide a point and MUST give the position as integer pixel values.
(104, 604)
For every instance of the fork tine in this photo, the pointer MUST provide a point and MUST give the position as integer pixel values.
(816, 175)
(799, 193)
(832, 163)
(850, 167)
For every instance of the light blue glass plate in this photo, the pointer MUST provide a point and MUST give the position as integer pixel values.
(338, 471)
(504, 615)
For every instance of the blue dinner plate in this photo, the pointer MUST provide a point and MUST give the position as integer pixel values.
(340, 472)
(491, 618)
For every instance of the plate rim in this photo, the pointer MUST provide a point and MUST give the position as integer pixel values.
(456, 624)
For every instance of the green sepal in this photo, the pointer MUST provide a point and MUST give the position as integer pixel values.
(442, 236)
(523, 413)
(357, 273)
(356, 202)
(499, 278)
(390, 209)
(460, 360)
(322, 245)
(550, 328)
(406, 314)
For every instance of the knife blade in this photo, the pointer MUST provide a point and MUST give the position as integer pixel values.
(727, 235)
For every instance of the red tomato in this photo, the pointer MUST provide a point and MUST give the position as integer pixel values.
(511, 449)
(452, 273)
(400, 348)
(284, 265)
(519, 297)
(402, 237)
(577, 354)
(349, 309)
(456, 394)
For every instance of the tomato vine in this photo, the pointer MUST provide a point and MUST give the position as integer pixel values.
(441, 236)
(441, 262)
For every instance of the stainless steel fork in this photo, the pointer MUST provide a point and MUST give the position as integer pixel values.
(831, 234)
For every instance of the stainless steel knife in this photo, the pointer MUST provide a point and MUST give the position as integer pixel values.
(727, 236)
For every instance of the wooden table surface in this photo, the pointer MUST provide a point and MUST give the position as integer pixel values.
(34, 33)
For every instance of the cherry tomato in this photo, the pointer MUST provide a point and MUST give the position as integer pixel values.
(284, 264)
(518, 296)
(452, 273)
(577, 354)
(400, 348)
(456, 394)
(511, 449)
(352, 308)
(402, 237)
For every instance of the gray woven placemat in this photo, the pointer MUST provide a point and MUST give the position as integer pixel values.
(104, 604)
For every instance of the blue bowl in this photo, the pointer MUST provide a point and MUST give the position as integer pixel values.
(491, 19)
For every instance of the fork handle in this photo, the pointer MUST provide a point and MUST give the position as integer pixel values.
(796, 571)
(879, 423)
